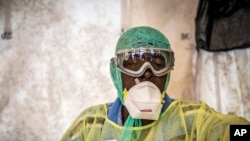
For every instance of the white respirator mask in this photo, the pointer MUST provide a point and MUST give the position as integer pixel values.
(144, 100)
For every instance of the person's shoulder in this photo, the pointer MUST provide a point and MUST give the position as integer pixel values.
(87, 115)
(200, 108)
(92, 112)
(190, 102)
(191, 105)
(101, 109)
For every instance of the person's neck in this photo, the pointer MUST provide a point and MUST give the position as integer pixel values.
(125, 115)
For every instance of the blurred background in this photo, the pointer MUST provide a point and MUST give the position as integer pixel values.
(54, 61)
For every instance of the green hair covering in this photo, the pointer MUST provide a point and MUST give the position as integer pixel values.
(142, 37)
(137, 37)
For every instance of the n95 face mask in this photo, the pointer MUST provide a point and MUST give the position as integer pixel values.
(144, 101)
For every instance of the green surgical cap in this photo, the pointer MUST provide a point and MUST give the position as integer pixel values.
(142, 36)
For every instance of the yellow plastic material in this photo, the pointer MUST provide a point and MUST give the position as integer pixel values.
(125, 94)
(182, 121)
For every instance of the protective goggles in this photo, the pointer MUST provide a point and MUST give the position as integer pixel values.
(135, 62)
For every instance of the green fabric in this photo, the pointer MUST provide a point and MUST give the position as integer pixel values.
(142, 37)
(117, 80)
(127, 132)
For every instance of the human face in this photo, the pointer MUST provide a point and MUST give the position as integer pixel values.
(159, 81)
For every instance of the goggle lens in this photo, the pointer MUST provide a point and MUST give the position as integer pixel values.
(134, 62)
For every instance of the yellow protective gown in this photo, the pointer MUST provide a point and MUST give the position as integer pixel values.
(182, 121)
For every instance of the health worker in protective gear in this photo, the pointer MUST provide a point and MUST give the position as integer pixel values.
(143, 111)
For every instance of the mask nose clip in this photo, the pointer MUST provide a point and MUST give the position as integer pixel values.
(137, 81)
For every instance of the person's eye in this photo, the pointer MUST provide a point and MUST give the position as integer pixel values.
(158, 66)
(128, 63)
(158, 60)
